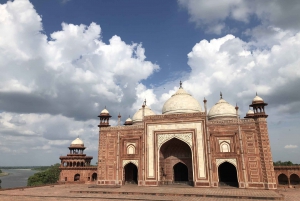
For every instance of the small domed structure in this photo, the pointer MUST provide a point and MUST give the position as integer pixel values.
(249, 114)
(138, 116)
(77, 142)
(128, 121)
(181, 102)
(222, 109)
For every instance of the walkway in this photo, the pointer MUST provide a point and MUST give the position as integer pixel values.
(132, 192)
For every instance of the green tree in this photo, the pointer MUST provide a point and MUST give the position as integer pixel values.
(49, 176)
(284, 163)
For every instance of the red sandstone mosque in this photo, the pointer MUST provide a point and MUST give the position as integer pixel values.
(186, 144)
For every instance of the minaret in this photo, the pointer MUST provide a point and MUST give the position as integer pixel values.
(104, 118)
(265, 155)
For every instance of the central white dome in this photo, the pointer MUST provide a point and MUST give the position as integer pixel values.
(181, 102)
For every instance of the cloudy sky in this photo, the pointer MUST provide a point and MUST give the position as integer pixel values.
(63, 61)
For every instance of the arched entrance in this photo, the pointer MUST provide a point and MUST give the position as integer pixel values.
(294, 179)
(76, 177)
(283, 179)
(227, 175)
(131, 174)
(175, 162)
(180, 172)
(94, 176)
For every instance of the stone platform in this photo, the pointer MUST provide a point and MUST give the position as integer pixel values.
(133, 192)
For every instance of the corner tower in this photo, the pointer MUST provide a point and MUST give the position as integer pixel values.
(266, 161)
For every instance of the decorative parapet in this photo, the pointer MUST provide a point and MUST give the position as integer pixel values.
(241, 121)
(174, 116)
(131, 127)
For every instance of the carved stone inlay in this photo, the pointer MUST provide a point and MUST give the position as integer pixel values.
(219, 161)
(136, 162)
(162, 138)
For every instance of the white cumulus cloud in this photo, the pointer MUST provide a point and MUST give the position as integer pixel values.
(290, 146)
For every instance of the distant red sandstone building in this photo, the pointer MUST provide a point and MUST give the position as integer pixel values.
(185, 144)
(76, 166)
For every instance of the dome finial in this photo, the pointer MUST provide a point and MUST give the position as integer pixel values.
(180, 85)
(145, 102)
(256, 93)
(221, 96)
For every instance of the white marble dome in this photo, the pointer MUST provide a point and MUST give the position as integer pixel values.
(181, 102)
(104, 111)
(77, 141)
(257, 99)
(250, 112)
(222, 109)
(138, 116)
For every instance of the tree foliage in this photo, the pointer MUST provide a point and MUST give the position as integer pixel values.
(49, 176)
(284, 163)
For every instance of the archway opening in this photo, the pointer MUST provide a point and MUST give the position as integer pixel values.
(131, 174)
(76, 177)
(283, 179)
(294, 179)
(175, 163)
(227, 175)
(94, 176)
(180, 172)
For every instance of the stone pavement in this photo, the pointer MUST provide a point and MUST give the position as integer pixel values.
(131, 192)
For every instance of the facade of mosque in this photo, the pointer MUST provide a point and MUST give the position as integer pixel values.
(76, 166)
(188, 144)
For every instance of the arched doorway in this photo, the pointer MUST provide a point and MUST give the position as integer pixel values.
(131, 174)
(294, 179)
(283, 179)
(76, 177)
(180, 172)
(227, 175)
(175, 162)
(94, 176)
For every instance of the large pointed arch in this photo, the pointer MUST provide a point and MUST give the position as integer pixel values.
(174, 151)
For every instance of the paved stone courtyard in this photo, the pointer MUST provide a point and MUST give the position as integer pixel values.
(131, 192)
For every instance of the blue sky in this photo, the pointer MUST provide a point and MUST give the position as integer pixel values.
(64, 61)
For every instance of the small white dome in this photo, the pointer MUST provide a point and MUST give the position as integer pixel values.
(257, 99)
(222, 109)
(104, 111)
(181, 102)
(77, 141)
(128, 119)
(138, 116)
(250, 112)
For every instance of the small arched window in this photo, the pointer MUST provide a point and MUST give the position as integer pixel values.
(130, 149)
(224, 147)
